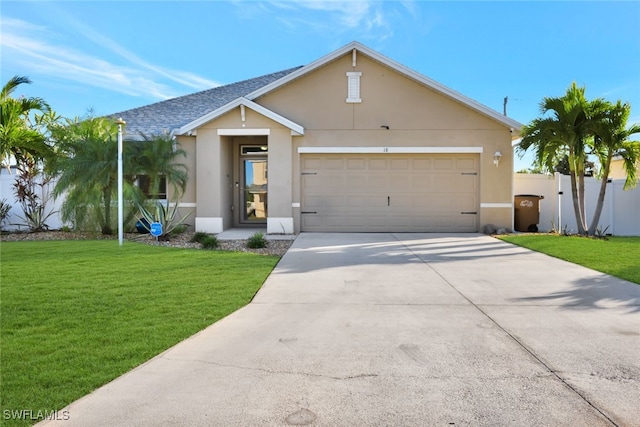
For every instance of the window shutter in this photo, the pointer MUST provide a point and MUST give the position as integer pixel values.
(353, 87)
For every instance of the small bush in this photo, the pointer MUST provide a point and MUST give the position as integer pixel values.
(199, 237)
(5, 207)
(209, 242)
(257, 241)
(179, 230)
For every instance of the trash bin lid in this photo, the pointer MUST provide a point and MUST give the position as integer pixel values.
(530, 195)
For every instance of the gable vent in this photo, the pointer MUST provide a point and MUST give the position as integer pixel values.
(353, 89)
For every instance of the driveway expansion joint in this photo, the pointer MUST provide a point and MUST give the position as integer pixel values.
(551, 370)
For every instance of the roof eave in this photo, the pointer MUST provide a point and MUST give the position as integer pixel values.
(513, 125)
(296, 129)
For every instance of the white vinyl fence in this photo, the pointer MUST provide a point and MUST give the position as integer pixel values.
(13, 221)
(621, 211)
(620, 214)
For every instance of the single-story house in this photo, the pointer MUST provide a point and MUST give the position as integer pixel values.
(352, 142)
(618, 171)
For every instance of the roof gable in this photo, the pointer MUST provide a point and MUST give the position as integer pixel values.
(430, 83)
(185, 113)
(296, 129)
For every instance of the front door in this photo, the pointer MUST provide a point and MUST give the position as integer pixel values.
(253, 191)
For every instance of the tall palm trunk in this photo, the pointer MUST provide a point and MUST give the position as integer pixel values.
(106, 226)
(600, 203)
(581, 198)
(576, 203)
(577, 191)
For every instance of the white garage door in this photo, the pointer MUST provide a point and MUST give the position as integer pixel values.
(389, 192)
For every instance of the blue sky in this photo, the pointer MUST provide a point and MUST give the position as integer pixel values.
(114, 55)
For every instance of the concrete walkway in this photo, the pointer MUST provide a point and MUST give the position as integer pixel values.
(399, 329)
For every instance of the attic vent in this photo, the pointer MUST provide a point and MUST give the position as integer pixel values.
(353, 89)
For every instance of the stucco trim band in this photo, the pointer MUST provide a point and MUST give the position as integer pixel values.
(243, 132)
(383, 150)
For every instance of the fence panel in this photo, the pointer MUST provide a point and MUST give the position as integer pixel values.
(619, 213)
(14, 221)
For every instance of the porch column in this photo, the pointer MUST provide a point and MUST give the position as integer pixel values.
(209, 218)
(280, 161)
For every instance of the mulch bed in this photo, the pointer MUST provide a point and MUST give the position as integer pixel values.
(274, 247)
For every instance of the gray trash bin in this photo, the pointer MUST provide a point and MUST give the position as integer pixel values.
(527, 212)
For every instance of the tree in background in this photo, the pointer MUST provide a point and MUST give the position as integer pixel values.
(611, 139)
(86, 164)
(19, 137)
(574, 127)
(157, 160)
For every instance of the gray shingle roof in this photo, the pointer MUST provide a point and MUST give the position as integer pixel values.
(165, 116)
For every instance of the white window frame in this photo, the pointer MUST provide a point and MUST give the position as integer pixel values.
(353, 86)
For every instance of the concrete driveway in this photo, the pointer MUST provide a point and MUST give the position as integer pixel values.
(399, 329)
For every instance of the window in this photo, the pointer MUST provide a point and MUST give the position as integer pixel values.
(144, 183)
(247, 150)
(353, 86)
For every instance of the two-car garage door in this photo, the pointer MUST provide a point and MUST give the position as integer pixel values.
(389, 192)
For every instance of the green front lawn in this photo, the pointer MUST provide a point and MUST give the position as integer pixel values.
(77, 314)
(617, 256)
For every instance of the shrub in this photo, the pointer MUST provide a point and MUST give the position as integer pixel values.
(209, 242)
(178, 230)
(199, 237)
(31, 189)
(4, 212)
(164, 214)
(257, 241)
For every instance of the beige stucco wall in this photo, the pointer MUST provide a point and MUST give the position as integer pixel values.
(218, 163)
(187, 203)
(618, 171)
(416, 115)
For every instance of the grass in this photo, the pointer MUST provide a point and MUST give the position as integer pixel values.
(617, 256)
(77, 314)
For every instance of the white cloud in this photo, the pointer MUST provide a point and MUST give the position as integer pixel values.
(367, 18)
(42, 50)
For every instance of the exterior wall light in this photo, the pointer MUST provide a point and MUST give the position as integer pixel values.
(496, 158)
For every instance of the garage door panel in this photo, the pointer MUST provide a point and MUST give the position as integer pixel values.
(421, 183)
(320, 183)
(398, 183)
(421, 164)
(392, 193)
(378, 164)
(334, 164)
(466, 164)
(356, 164)
(311, 163)
(400, 164)
(445, 163)
(378, 182)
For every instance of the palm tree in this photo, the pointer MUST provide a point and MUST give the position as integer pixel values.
(611, 138)
(87, 167)
(157, 157)
(18, 138)
(564, 132)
